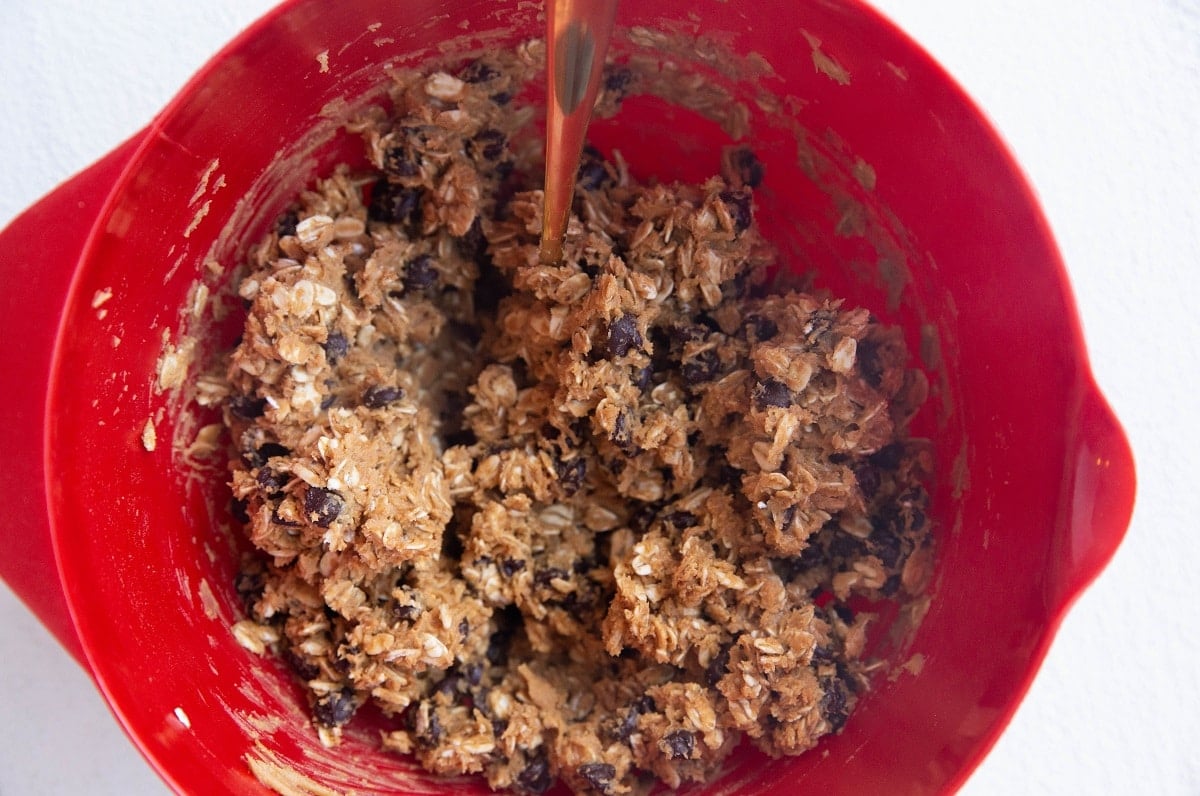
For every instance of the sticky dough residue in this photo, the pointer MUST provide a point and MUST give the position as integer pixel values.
(824, 63)
(280, 777)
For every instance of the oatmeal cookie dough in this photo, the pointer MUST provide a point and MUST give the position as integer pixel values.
(596, 522)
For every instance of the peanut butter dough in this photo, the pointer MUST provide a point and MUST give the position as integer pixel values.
(596, 522)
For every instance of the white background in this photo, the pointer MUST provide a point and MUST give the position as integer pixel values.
(1101, 103)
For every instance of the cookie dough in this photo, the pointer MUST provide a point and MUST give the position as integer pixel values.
(595, 522)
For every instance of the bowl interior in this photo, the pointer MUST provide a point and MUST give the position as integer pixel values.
(884, 185)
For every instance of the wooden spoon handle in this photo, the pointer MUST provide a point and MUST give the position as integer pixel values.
(577, 36)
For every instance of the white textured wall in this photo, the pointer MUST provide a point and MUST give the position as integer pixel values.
(1101, 102)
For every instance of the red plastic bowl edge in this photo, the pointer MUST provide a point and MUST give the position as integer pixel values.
(1086, 387)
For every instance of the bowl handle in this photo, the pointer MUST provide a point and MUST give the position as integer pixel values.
(39, 252)
(1101, 484)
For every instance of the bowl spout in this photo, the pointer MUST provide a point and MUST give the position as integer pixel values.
(1100, 485)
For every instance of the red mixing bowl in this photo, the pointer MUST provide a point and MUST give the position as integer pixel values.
(883, 181)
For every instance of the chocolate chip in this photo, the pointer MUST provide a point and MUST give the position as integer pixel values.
(260, 455)
(598, 775)
(887, 521)
(747, 166)
(271, 449)
(511, 566)
(299, 663)
(247, 407)
(501, 97)
(868, 480)
(286, 225)
(335, 709)
(772, 392)
(464, 629)
(702, 367)
(683, 333)
(535, 777)
(571, 474)
(394, 203)
(499, 726)
(322, 506)
(833, 704)
(888, 547)
(474, 673)
(681, 519)
(270, 480)
(622, 435)
(643, 515)
(888, 457)
(890, 586)
(448, 686)
(844, 612)
(740, 210)
(645, 704)
(623, 336)
(420, 273)
(336, 347)
(628, 725)
(644, 377)
(490, 143)
(592, 173)
(917, 519)
(867, 358)
(399, 161)
(238, 509)
(380, 395)
(764, 328)
(478, 71)
(680, 744)
(717, 667)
